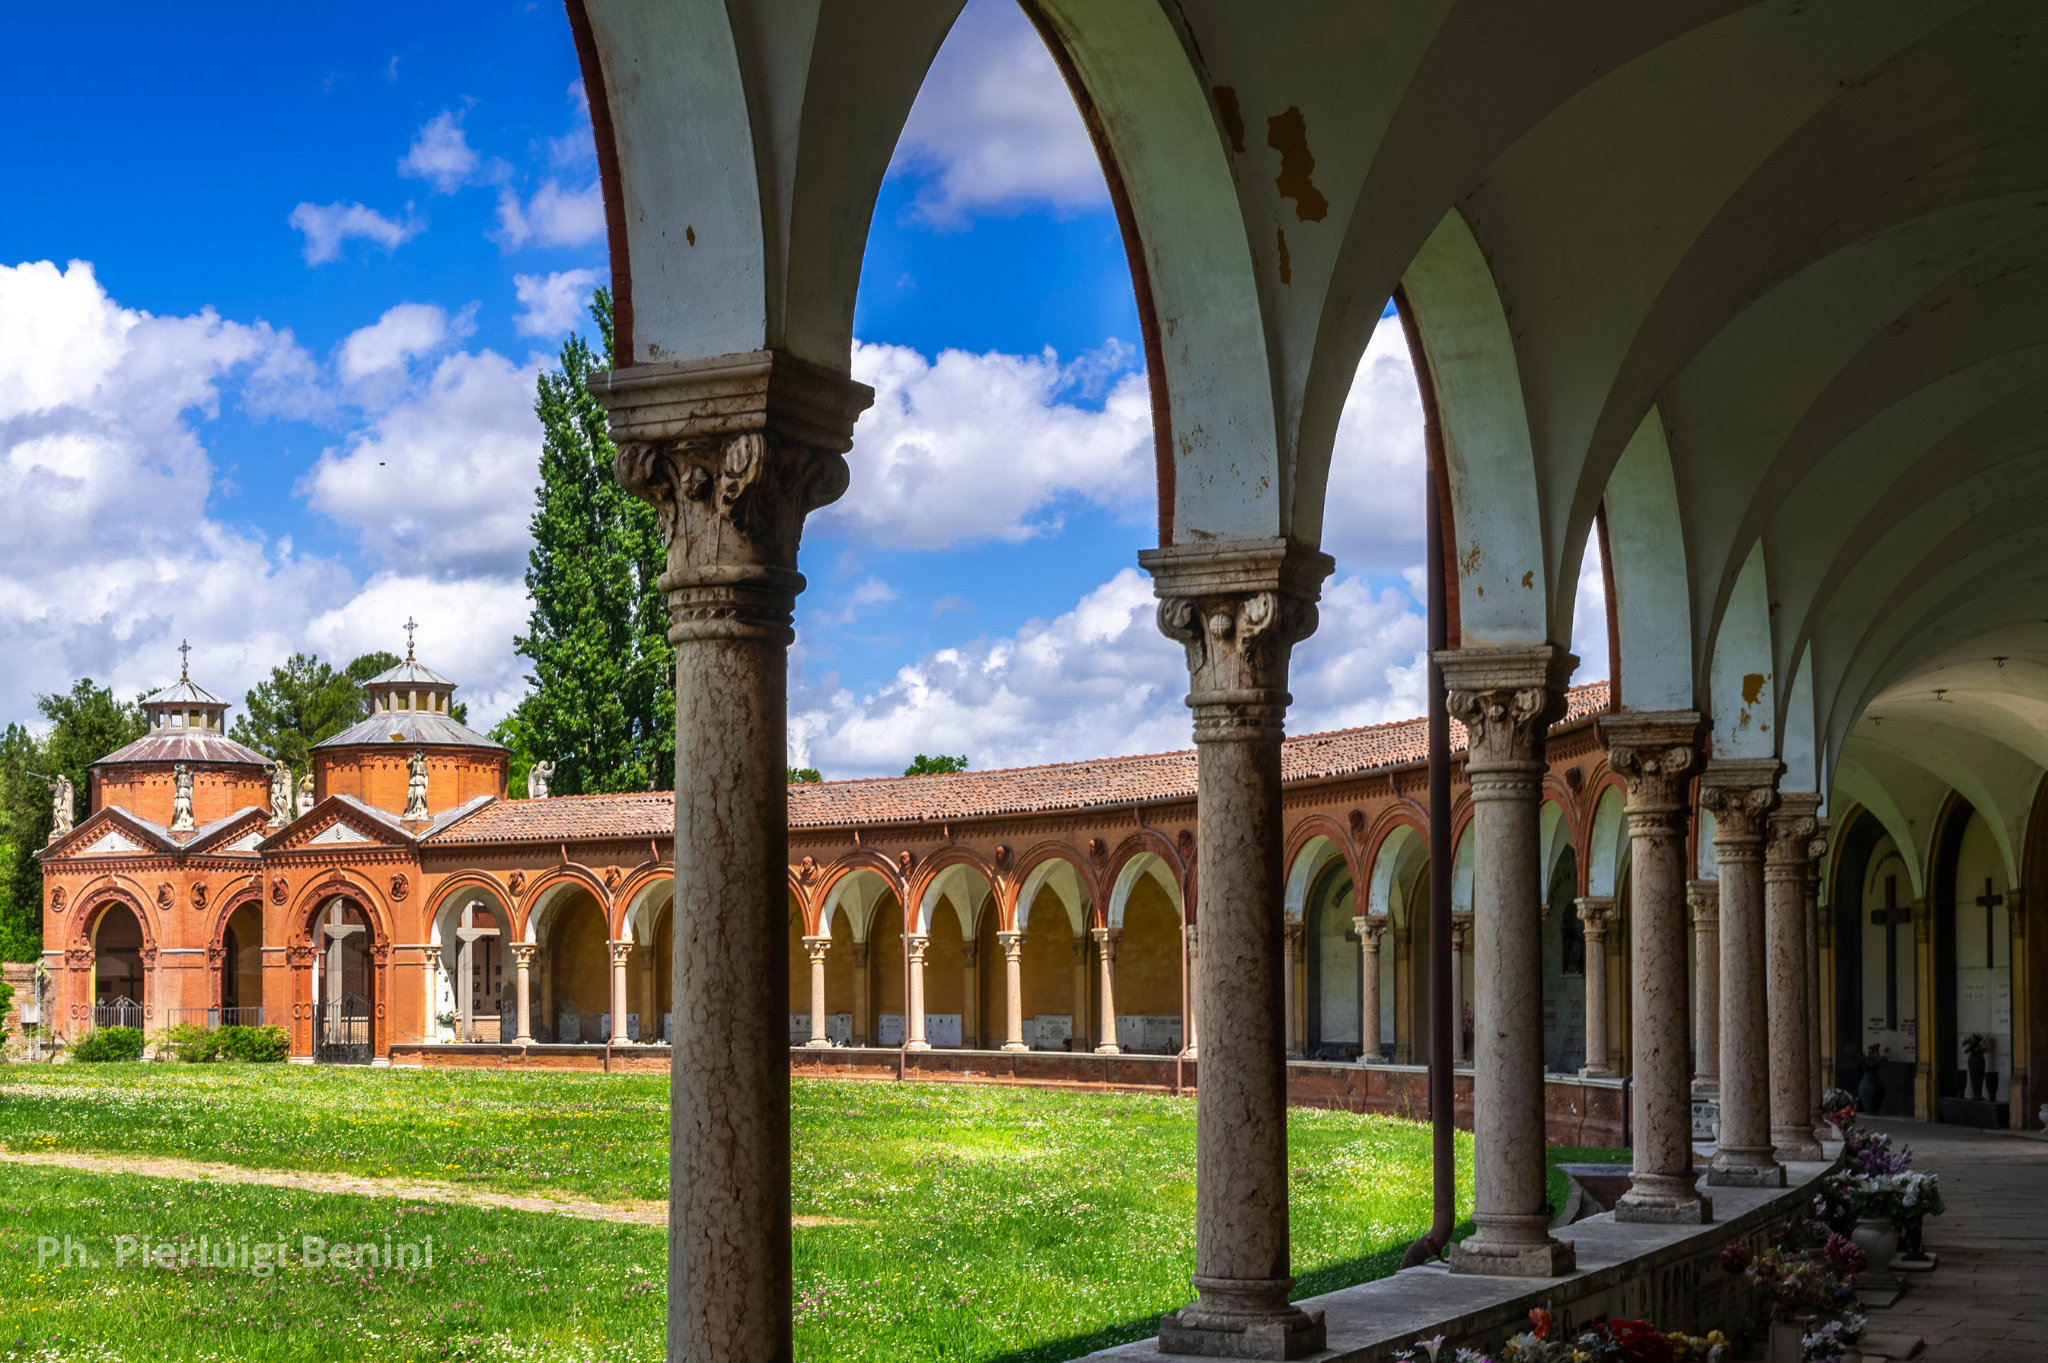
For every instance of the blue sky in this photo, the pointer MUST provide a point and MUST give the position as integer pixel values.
(282, 399)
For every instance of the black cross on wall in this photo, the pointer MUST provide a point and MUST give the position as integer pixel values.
(1987, 902)
(1889, 918)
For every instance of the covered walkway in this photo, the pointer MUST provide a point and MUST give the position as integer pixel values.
(1988, 1295)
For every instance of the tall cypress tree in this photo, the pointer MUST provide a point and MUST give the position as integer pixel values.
(602, 704)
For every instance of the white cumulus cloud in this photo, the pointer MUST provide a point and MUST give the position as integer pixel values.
(923, 454)
(404, 333)
(441, 482)
(328, 227)
(551, 304)
(441, 155)
(554, 216)
(994, 128)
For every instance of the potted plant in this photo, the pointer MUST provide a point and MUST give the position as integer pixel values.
(1976, 1047)
(1870, 1091)
(1919, 1198)
(1802, 1291)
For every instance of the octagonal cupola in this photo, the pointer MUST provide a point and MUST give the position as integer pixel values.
(186, 736)
(411, 716)
(410, 688)
(184, 706)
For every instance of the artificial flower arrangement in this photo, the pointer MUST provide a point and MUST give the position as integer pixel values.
(1607, 1341)
(1878, 1183)
(1872, 1058)
(1976, 1043)
(1793, 1282)
(1839, 1107)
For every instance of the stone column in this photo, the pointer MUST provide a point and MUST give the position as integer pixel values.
(1369, 930)
(1461, 927)
(1816, 1077)
(1705, 898)
(1079, 1033)
(522, 964)
(1194, 968)
(1742, 791)
(1792, 827)
(1013, 990)
(733, 451)
(1238, 609)
(863, 1031)
(622, 952)
(817, 947)
(970, 984)
(1290, 954)
(432, 955)
(1657, 754)
(1105, 956)
(913, 1007)
(1507, 699)
(1596, 911)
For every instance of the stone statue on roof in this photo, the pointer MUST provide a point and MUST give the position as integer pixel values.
(181, 799)
(280, 795)
(537, 778)
(416, 786)
(62, 797)
(305, 803)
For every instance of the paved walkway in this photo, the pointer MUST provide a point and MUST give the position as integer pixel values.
(1988, 1299)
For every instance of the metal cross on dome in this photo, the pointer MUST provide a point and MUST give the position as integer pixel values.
(410, 626)
(184, 659)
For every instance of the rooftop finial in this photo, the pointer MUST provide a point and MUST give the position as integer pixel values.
(184, 661)
(409, 628)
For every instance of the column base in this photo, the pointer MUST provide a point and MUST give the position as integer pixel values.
(1745, 1168)
(1109, 1049)
(1596, 1072)
(1516, 1259)
(1236, 1318)
(917, 1045)
(1706, 1088)
(1664, 1200)
(818, 1043)
(522, 1041)
(1795, 1143)
(1015, 1046)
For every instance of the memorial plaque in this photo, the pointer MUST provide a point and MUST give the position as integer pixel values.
(1052, 1031)
(569, 1029)
(889, 1032)
(942, 1029)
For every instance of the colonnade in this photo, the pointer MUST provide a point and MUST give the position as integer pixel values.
(769, 433)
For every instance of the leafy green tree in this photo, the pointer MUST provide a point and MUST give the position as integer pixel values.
(86, 723)
(804, 775)
(935, 766)
(602, 704)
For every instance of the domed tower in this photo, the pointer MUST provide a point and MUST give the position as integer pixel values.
(188, 728)
(410, 713)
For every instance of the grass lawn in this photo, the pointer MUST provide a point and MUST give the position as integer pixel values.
(960, 1222)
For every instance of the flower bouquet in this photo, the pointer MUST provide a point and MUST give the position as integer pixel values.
(1838, 1107)
(1871, 1059)
(1833, 1341)
(1793, 1283)
(1607, 1341)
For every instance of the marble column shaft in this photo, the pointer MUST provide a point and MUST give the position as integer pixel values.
(913, 1007)
(622, 952)
(1105, 956)
(1238, 608)
(1194, 969)
(733, 452)
(432, 955)
(1507, 699)
(817, 947)
(1816, 1078)
(970, 985)
(1657, 754)
(1705, 898)
(522, 962)
(1461, 937)
(1596, 911)
(1012, 944)
(1792, 827)
(1369, 931)
(1079, 1030)
(1742, 791)
(863, 1023)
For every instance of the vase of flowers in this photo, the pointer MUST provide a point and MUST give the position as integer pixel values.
(1870, 1090)
(1879, 1241)
(1976, 1046)
(1838, 1109)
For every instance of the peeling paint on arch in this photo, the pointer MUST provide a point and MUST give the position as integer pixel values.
(1288, 134)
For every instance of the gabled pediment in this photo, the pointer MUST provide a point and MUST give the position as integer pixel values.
(337, 820)
(110, 842)
(338, 832)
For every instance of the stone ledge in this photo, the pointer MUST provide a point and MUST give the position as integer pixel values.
(1668, 1275)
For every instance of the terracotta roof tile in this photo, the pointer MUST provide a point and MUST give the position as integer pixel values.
(1093, 784)
(184, 745)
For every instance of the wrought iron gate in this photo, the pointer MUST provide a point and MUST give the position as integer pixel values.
(344, 1032)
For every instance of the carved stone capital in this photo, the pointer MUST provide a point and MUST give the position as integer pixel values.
(1657, 753)
(817, 947)
(1789, 830)
(733, 452)
(1369, 927)
(523, 954)
(918, 946)
(1507, 699)
(1238, 607)
(1705, 898)
(1596, 911)
(1012, 944)
(1741, 791)
(1817, 846)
